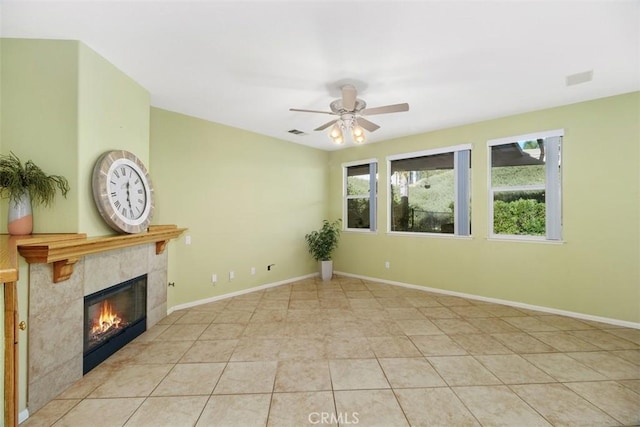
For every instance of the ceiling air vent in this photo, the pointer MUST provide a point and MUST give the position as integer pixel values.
(578, 78)
(296, 132)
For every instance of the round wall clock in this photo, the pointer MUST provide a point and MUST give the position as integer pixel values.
(122, 191)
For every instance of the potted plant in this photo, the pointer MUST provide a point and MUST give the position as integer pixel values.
(24, 184)
(322, 243)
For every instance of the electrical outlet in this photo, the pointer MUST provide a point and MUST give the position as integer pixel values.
(387, 264)
(231, 275)
(214, 278)
(253, 271)
(187, 240)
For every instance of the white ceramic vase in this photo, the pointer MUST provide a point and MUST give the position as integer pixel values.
(20, 220)
(326, 270)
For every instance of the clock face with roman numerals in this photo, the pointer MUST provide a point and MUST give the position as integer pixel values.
(122, 191)
(126, 191)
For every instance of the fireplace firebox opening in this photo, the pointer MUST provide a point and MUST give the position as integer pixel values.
(113, 317)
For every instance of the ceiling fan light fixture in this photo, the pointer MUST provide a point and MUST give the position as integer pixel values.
(358, 139)
(357, 131)
(335, 131)
(336, 134)
(339, 140)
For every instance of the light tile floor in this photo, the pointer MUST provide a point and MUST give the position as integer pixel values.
(355, 352)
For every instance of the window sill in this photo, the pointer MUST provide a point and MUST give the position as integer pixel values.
(525, 240)
(360, 231)
(429, 235)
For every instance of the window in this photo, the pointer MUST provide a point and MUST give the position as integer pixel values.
(525, 186)
(360, 191)
(429, 191)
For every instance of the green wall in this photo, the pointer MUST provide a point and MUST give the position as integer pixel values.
(40, 120)
(65, 105)
(595, 271)
(247, 199)
(113, 114)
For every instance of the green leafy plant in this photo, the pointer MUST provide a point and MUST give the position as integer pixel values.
(17, 178)
(322, 242)
(518, 217)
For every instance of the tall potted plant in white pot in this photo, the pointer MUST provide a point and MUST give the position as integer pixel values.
(24, 184)
(322, 244)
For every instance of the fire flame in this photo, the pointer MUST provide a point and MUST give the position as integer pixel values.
(108, 319)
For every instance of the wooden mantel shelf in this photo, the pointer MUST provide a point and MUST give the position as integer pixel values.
(64, 250)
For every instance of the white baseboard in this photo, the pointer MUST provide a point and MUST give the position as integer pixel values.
(237, 293)
(516, 304)
(23, 415)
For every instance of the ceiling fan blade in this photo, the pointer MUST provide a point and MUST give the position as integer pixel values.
(370, 126)
(349, 97)
(313, 111)
(326, 125)
(395, 108)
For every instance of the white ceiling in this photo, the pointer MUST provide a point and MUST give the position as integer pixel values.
(244, 64)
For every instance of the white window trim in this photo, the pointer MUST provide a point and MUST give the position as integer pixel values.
(553, 218)
(432, 152)
(358, 163)
(373, 201)
(442, 150)
(524, 137)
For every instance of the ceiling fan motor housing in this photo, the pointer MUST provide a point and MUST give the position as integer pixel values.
(337, 107)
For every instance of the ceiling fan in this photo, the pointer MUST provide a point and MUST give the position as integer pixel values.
(350, 111)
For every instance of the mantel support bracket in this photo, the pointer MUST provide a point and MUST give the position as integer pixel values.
(160, 246)
(63, 269)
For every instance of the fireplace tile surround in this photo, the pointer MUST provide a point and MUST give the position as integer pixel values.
(55, 343)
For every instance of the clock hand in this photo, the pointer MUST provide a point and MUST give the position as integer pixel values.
(128, 195)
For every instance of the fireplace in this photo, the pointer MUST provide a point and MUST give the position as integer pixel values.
(112, 318)
(56, 343)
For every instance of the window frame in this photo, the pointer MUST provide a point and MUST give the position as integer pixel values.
(552, 186)
(373, 188)
(462, 188)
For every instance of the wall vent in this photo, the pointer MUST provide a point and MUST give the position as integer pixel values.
(296, 132)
